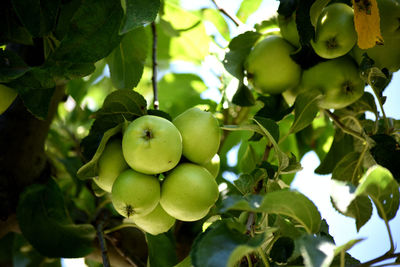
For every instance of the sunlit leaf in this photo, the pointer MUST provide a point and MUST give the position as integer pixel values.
(285, 202)
(247, 8)
(316, 250)
(378, 183)
(348, 168)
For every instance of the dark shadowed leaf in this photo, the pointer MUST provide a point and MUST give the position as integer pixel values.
(161, 250)
(386, 153)
(127, 60)
(282, 249)
(44, 222)
(35, 88)
(11, 66)
(38, 16)
(92, 33)
(348, 168)
(243, 96)
(341, 146)
(139, 13)
(220, 245)
(239, 48)
(274, 108)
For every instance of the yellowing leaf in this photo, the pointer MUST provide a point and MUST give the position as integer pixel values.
(367, 23)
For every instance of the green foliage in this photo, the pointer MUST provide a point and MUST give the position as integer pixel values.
(85, 69)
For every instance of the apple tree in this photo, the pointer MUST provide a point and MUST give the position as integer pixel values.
(118, 120)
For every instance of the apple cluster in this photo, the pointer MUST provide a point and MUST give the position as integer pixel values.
(271, 69)
(184, 151)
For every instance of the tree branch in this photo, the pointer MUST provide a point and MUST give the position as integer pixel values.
(154, 59)
(226, 13)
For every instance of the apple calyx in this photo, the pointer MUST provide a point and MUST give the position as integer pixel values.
(331, 43)
(129, 210)
(148, 134)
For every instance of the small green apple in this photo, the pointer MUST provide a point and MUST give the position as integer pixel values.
(7, 96)
(386, 55)
(111, 163)
(135, 193)
(270, 68)
(200, 134)
(188, 192)
(213, 165)
(335, 34)
(338, 80)
(155, 223)
(288, 28)
(152, 145)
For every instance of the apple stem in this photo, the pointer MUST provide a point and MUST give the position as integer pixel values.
(154, 59)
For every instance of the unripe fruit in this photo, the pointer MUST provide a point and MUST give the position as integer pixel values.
(135, 193)
(151, 145)
(213, 165)
(111, 163)
(270, 68)
(156, 222)
(188, 192)
(200, 134)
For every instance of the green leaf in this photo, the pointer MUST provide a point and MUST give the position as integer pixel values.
(44, 222)
(305, 110)
(271, 130)
(293, 167)
(187, 262)
(243, 96)
(214, 16)
(11, 66)
(239, 48)
(316, 250)
(174, 87)
(90, 169)
(248, 181)
(127, 60)
(161, 250)
(38, 16)
(284, 202)
(342, 145)
(348, 168)
(36, 89)
(92, 33)
(221, 245)
(249, 160)
(275, 107)
(247, 8)
(138, 13)
(386, 153)
(378, 183)
(345, 201)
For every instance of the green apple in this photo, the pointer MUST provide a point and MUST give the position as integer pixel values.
(338, 80)
(135, 193)
(288, 28)
(155, 223)
(213, 165)
(270, 68)
(7, 96)
(152, 145)
(188, 192)
(335, 34)
(111, 163)
(200, 134)
(386, 55)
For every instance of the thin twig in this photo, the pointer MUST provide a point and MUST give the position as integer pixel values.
(385, 256)
(154, 59)
(381, 106)
(336, 120)
(235, 19)
(103, 245)
(119, 251)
